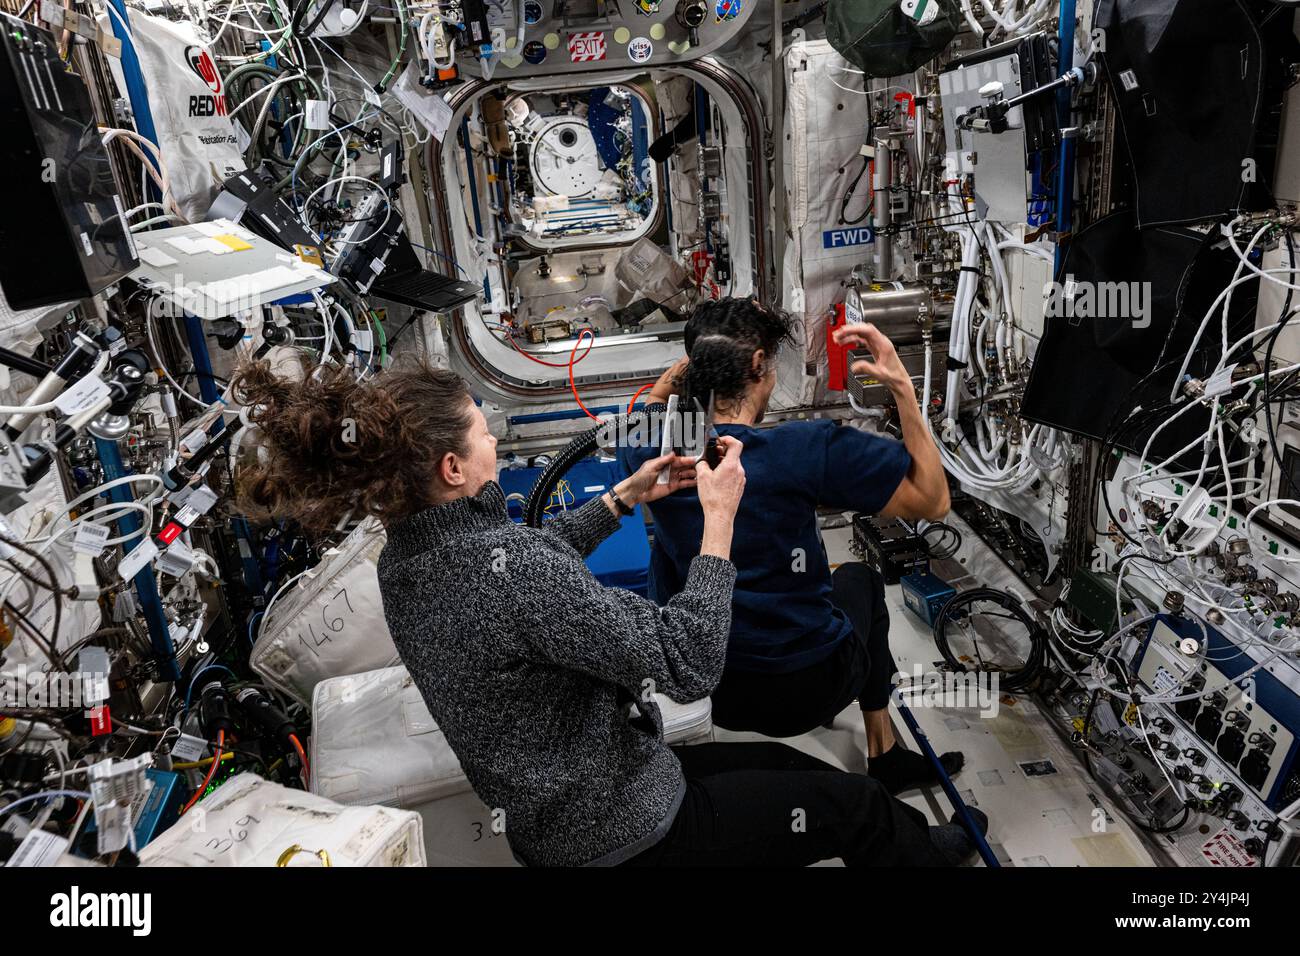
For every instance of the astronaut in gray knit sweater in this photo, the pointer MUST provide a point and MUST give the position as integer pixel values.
(538, 674)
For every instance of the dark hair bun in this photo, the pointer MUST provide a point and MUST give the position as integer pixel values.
(721, 339)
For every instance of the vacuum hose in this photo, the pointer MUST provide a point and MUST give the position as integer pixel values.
(572, 453)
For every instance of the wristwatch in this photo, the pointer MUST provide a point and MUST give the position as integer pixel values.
(619, 503)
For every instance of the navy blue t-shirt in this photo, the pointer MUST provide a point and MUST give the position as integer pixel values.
(782, 617)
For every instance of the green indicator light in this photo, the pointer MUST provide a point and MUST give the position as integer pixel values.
(1272, 547)
(1214, 511)
(1232, 522)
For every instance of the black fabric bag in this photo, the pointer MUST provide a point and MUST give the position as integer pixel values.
(1193, 79)
(1086, 370)
(880, 39)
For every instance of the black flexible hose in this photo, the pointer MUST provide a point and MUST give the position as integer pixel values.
(1035, 661)
(303, 31)
(572, 453)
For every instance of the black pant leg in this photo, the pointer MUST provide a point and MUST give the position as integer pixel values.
(709, 759)
(760, 807)
(793, 703)
(859, 591)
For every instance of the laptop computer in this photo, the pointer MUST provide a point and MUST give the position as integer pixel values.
(381, 262)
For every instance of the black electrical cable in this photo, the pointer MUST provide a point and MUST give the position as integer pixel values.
(303, 31)
(1015, 680)
(939, 552)
(848, 195)
(52, 586)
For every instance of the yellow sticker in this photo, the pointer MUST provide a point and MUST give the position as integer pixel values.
(234, 242)
(310, 254)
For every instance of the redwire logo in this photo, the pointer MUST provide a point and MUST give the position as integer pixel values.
(200, 61)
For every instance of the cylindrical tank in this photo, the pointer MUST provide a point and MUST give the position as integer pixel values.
(902, 310)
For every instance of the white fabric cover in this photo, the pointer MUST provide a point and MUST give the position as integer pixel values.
(17, 325)
(330, 623)
(374, 741)
(826, 123)
(187, 100)
(249, 821)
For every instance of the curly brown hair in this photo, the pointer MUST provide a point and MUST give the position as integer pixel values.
(331, 447)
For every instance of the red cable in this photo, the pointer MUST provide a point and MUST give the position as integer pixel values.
(569, 364)
(638, 394)
(306, 768)
(216, 761)
(573, 386)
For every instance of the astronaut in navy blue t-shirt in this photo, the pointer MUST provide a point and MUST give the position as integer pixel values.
(804, 642)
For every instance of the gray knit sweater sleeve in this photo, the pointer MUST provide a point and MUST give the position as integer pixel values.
(618, 636)
(583, 529)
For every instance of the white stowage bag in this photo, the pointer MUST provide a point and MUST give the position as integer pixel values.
(187, 99)
(249, 821)
(825, 125)
(330, 623)
(374, 741)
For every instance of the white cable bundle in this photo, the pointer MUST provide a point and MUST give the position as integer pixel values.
(998, 459)
(1005, 19)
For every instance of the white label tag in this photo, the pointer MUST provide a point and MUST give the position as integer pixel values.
(95, 688)
(363, 340)
(318, 114)
(188, 748)
(7, 551)
(39, 848)
(187, 515)
(81, 395)
(52, 13)
(1129, 79)
(134, 561)
(1220, 382)
(89, 538)
(194, 440)
(126, 228)
(177, 559)
(202, 499)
